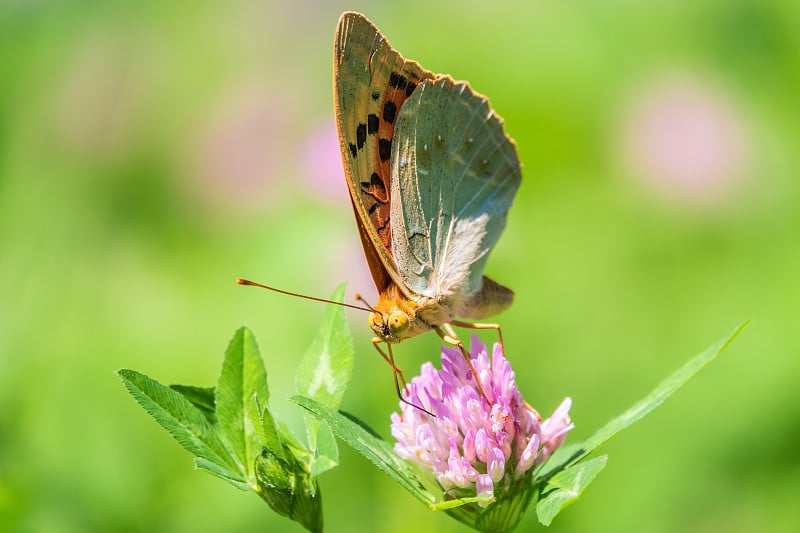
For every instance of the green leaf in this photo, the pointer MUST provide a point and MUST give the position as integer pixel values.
(571, 454)
(323, 375)
(290, 440)
(264, 425)
(242, 379)
(222, 473)
(365, 442)
(180, 418)
(327, 454)
(324, 371)
(201, 397)
(566, 486)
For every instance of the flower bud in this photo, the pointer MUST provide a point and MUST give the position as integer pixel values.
(289, 490)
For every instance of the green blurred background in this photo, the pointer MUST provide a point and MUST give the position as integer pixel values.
(153, 152)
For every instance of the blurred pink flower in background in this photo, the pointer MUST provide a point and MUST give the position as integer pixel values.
(321, 162)
(685, 138)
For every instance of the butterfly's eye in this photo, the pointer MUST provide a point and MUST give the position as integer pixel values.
(398, 322)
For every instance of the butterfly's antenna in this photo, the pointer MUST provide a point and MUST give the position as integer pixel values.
(363, 301)
(241, 281)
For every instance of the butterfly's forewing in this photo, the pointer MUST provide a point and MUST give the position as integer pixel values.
(454, 176)
(371, 83)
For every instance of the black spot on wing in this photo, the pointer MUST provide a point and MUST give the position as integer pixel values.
(361, 135)
(353, 150)
(372, 123)
(376, 181)
(410, 88)
(376, 95)
(375, 187)
(384, 149)
(389, 111)
(398, 81)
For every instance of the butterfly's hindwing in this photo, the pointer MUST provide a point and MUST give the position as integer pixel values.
(454, 176)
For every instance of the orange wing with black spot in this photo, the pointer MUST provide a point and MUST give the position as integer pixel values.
(371, 81)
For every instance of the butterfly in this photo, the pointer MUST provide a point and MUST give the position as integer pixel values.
(431, 176)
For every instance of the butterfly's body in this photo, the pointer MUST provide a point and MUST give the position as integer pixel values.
(431, 176)
(424, 313)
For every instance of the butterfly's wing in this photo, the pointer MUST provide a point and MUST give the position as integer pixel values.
(454, 176)
(371, 83)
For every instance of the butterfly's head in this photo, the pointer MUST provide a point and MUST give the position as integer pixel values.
(390, 326)
(394, 318)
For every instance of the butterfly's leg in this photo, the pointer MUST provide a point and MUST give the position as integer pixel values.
(450, 338)
(473, 325)
(389, 358)
(396, 371)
